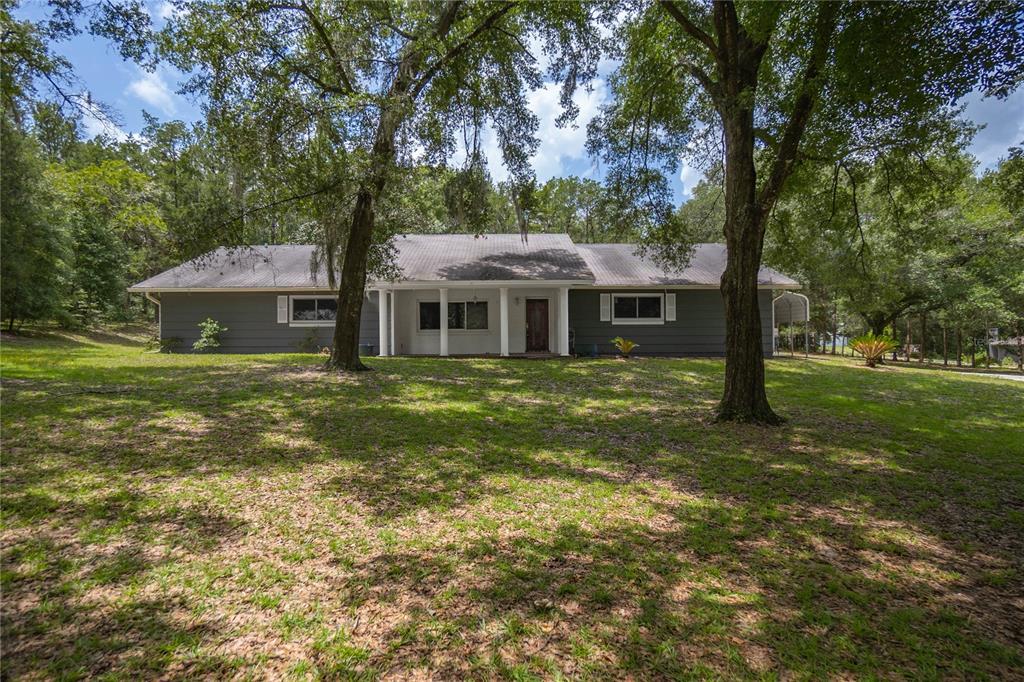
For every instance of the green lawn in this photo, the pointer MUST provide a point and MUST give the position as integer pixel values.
(253, 516)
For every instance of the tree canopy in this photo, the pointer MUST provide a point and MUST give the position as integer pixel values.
(770, 87)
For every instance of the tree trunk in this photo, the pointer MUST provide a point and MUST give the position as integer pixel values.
(876, 324)
(835, 327)
(345, 347)
(405, 87)
(910, 338)
(959, 348)
(1020, 349)
(737, 58)
(345, 350)
(744, 398)
(945, 348)
(924, 336)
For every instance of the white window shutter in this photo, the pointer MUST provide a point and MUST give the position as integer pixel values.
(670, 307)
(606, 307)
(282, 309)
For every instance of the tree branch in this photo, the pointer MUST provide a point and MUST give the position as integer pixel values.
(691, 28)
(464, 44)
(802, 107)
(711, 87)
(289, 199)
(856, 215)
(325, 39)
(305, 72)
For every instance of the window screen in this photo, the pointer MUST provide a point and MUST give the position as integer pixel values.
(642, 309)
(430, 315)
(461, 315)
(476, 315)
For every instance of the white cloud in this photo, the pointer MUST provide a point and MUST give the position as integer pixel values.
(153, 90)
(689, 176)
(166, 10)
(1004, 125)
(95, 125)
(557, 146)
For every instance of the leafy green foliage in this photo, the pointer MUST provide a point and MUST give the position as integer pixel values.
(334, 101)
(624, 346)
(115, 231)
(904, 237)
(873, 347)
(209, 335)
(33, 242)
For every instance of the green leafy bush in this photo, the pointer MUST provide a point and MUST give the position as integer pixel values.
(872, 347)
(209, 335)
(624, 346)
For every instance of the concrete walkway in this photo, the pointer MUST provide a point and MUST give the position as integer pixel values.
(1014, 377)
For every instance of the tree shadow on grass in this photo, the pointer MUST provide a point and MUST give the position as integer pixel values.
(796, 544)
(71, 607)
(705, 597)
(129, 335)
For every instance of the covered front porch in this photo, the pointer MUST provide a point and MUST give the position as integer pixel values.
(503, 319)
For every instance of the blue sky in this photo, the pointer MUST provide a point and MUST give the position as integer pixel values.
(129, 90)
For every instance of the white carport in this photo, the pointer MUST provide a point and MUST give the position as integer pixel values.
(791, 308)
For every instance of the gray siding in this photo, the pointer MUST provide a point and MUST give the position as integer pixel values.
(251, 319)
(699, 328)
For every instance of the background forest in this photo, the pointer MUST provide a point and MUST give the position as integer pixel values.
(910, 243)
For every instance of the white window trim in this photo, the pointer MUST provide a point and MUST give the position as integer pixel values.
(292, 322)
(634, 321)
(452, 330)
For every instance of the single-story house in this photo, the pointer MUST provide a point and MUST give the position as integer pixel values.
(501, 295)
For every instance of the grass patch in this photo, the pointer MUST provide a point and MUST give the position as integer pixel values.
(253, 516)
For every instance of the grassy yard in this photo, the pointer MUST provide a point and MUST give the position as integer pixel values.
(252, 516)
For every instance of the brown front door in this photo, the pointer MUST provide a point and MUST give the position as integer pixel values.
(536, 325)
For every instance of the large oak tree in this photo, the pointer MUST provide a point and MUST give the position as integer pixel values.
(372, 89)
(777, 84)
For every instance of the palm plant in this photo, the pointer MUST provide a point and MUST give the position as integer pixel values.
(873, 347)
(624, 346)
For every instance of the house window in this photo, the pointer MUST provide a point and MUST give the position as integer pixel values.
(476, 315)
(468, 315)
(638, 309)
(313, 311)
(430, 316)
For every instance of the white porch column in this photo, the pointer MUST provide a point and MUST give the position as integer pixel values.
(382, 321)
(563, 320)
(391, 310)
(444, 323)
(504, 321)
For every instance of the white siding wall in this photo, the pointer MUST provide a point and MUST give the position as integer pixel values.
(409, 340)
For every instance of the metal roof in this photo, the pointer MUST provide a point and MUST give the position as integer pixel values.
(790, 308)
(458, 258)
(490, 257)
(621, 265)
(242, 267)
